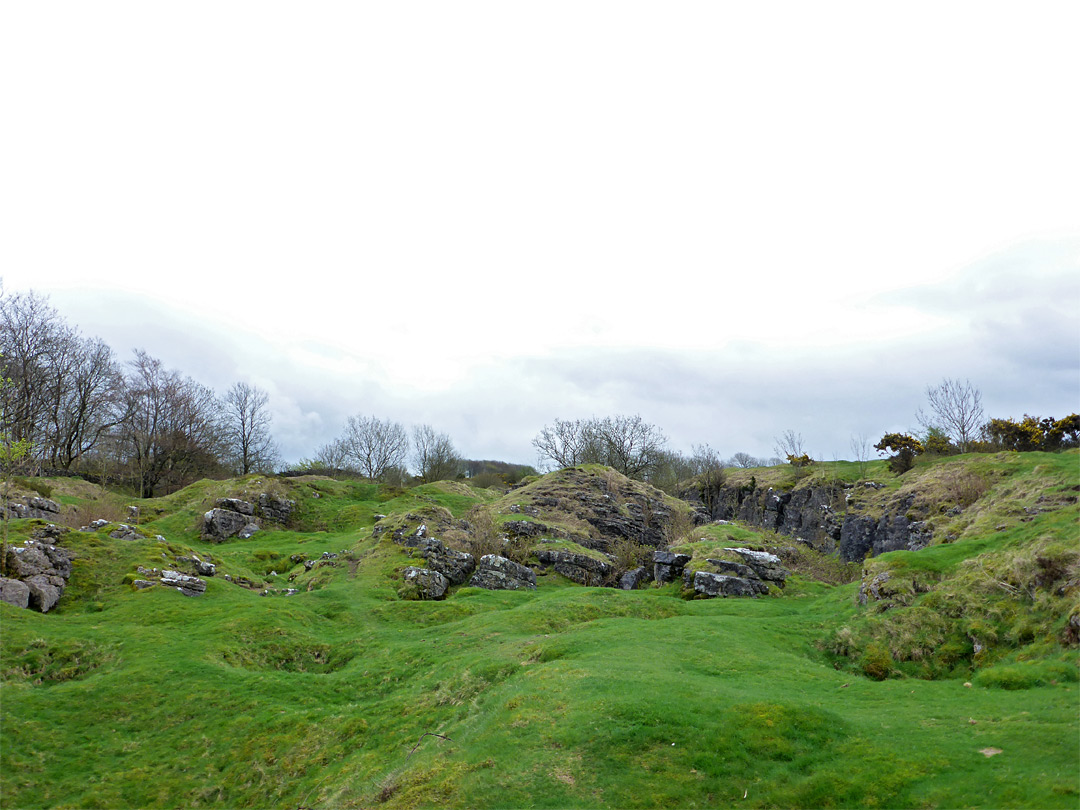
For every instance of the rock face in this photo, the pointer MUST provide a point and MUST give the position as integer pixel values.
(817, 515)
(41, 569)
(668, 566)
(456, 566)
(862, 535)
(33, 507)
(236, 505)
(497, 573)
(578, 567)
(524, 528)
(274, 509)
(747, 578)
(429, 584)
(593, 507)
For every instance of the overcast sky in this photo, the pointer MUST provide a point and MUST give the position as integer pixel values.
(733, 219)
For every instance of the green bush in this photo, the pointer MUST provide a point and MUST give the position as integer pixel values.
(876, 661)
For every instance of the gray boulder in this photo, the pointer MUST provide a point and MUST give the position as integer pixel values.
(713, 585)
(35, 507)
(456, 566)
(497, 573)
(429, 584)
(14, 592)
(125, 532)
(580, 568)
(45, 591)
(200, 567)
(236, 505)
(221, 524)
(668, 566)
(26, 562)
(633, 579)
(42, 569)
(187, 585)
(248, 531)
(765, 565)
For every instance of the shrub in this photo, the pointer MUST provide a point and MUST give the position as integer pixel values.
(965, 488)
(904, 446)
(628, 555)
(876, 661)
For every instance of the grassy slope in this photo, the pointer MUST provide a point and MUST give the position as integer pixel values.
(564, 696)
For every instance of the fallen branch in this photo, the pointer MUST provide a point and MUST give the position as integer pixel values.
(426, 734)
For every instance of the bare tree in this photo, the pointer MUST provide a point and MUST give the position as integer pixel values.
(247, 429)
(956, 408)
(860, 452)
(434, 456)
(171, 429)
(789, 443)
(34, 341)
(65, 391)
(670, 469)
(709, 476)
(744, 460)
(567, 444)
(375, 445)
(630, 444)
(92, 405)
(334, 455)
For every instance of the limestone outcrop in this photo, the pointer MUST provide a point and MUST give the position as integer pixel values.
(235, 517)
(456, 566)
(497, 573)
(37, 574)
(168, 578)
(668, 566)
(580, 568)
(713, 585)
(820, 516)
(428, 584)
(33, 507)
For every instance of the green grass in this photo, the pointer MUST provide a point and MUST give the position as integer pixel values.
(560, 697)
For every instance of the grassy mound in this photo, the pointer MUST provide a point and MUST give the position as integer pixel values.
(343, 695)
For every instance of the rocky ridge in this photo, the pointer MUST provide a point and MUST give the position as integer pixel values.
(38, 571)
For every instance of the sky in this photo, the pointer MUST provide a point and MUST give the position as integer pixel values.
(732, 219)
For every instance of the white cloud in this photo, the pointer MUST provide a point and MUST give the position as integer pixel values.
(484, 215)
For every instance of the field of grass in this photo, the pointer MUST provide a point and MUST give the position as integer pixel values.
(343, 695)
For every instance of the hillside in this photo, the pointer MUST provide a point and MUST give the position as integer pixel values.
(305, 673)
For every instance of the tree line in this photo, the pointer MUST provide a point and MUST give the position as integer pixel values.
(68, 403)
(78, 408)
